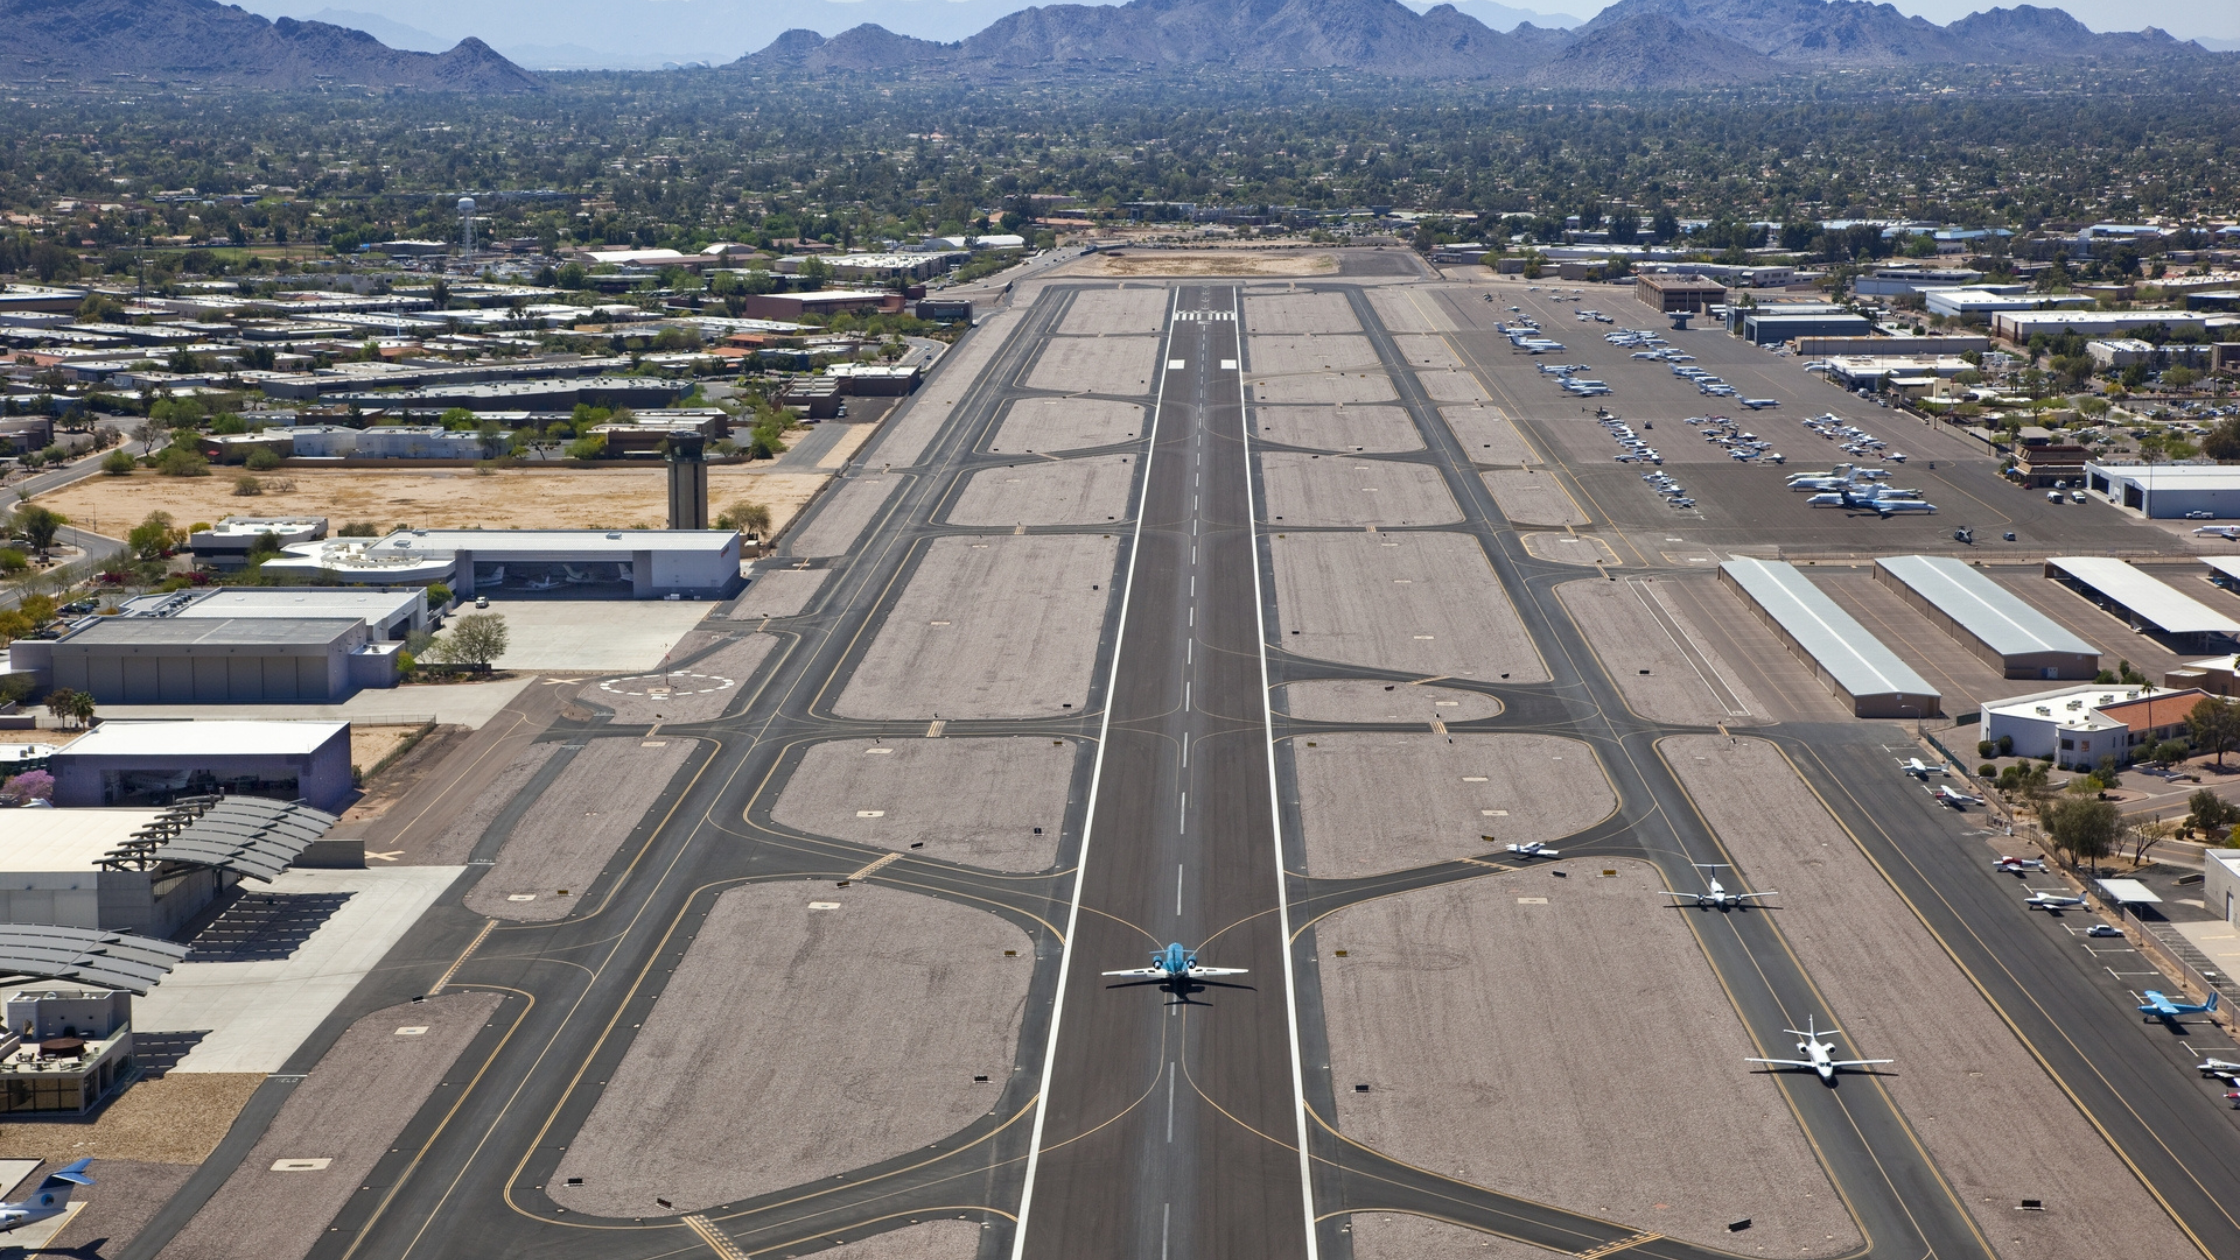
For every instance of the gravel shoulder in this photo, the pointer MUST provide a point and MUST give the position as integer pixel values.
(1426, 351)
(1657, 678)
(909, 434)
(1097, 365)
(1379, 430)
(795, 1043)
(1377, 801)
(974, 801)
(1086, 491)
(1362, 700)
(1065, 424)
(566, 839)
(458, 840)
(1997, 1126)
(992, 627)
(1278, 355)
(1441, 1007)
(1395, 1236)
(933, 1240)
(129, 1194)
(1400, 312)
(841, 518)
(779, 593)
(1335, 490)
(1527, 497)
(1421, 603)
(1324, 388)
(347, 1110)
(1487, 436)
(1299, 313)
(1099, 312)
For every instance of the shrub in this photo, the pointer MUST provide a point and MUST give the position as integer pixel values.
(592, 447)
(247, 486)
(438, 594)
(13, 561)
(1986, 770)
(261, 460)
(1985, 748)
(178, 461)
(117, 464)
(359, 529)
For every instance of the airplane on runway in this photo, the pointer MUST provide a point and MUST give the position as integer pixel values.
(1756, 403)
(1956, 799)
(2160, 1007)
(52, 1198)
(2053, 903)
(1176, 963)
(1532, 850)
(1716, 897)
(1818, 1055)
(1919, 769)
(2017, 865)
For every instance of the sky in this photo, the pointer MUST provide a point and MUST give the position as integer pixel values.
(566, 34)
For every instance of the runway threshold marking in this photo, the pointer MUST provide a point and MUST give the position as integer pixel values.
(718, 1241)
(1611, 1249)
(876, 865)
(488, 926)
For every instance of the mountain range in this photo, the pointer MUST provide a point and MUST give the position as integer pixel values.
(203, 41)
(1631, 44)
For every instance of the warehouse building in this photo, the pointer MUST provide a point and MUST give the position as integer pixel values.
(120, 762)
(2142, 601)
(2076, 727)
(1668, 294)
(1770, 326)
(793, 306)
(529, 395)
(213, 660)
(2168, 491)
(1841, 653)
(1988, 619)
(389, 613)
(2020, 326)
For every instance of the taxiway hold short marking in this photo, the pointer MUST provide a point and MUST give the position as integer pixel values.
(875, 866)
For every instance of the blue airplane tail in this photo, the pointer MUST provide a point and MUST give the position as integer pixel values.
(2209, 1007)
(72, 1174)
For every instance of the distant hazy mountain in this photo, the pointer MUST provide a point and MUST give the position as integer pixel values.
(1638, 52)
(1502, 18)
(1854, 33)
(201, 40)
(394, 34)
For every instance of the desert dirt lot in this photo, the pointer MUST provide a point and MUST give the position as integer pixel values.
(449, 498)
(1166, 263)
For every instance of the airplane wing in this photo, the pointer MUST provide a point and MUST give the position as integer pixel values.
(1844, 1063)
(1755, 894)
(1196, 972)
(1141, 972)
(1795, 1063)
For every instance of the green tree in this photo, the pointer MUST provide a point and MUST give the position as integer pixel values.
(182, 461)
(2213, 726)
(2208, 811)
(262, 459)
(2083, 827)
(751, 519)
(117, 464)
(39, 525)
(589, 446)
(153, 536)
(476, 639)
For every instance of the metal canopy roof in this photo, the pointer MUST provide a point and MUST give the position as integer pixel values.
(1983, 608)
(247, 835)
(2165, 607)
(113, 960)
(1856, 659)
(2129, 892)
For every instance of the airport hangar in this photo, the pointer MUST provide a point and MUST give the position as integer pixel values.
(2125, 591)
(1988, 619)
(2168, 491)
(631, 563)
(1841, 653)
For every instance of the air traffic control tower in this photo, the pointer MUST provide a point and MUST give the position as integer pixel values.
(688, 481)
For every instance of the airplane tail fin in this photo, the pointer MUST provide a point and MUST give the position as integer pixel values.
(56, 1189)
(2209, 1007)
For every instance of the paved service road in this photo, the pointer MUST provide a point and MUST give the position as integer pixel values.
(1172, 1118)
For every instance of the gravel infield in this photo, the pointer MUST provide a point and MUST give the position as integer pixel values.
(1453, 386)
(933, 1240)
(1097, 365)
(974, 801)
(1362, 700)
(1422, 603)
(1400, 312)
(1377, 801)
(1086, 491)
(1527, 497)
(1324, 388)
(1101, 312)
(920, 423)
(1441, 1007)
(1395, 1236)
(793, 1043)
(698, 692)
(996, 626)
(1302, 490)
(458, 840)
(779, 593)
(347, 1110)
(1067, 424)
(1424, 351)
(126, 1196)
(1299, 313)
(565, 840)
(841, 518)
(1998, 1127)
(1272, 355)
(1364, 429)
(1656, 677)
(1487, 436)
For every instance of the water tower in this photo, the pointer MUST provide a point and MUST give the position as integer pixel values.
(466, 224)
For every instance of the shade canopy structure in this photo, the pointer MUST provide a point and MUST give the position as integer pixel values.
(112, 960)
(249, 836)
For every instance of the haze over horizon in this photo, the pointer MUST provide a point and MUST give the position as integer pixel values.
(584, 34)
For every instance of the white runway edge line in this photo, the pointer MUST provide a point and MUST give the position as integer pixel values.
(1089, 823)
(1275, 803)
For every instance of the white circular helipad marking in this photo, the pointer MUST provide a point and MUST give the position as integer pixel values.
(663, 686)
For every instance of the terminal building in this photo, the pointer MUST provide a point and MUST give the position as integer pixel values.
(2076, 727)
(1988, 619)
(2142, 601)
(1853, 664)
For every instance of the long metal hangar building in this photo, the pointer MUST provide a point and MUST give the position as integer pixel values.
(1988, 619)
(1841, 653)
(2130, 594)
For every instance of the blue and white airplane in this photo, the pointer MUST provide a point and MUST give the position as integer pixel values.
(2157, 1006)
(51, 1200)
(1174, 963)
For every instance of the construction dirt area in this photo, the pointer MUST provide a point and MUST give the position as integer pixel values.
(449, 498)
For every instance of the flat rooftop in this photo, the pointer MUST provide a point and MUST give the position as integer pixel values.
(1857, 660)
(230, 738)
(248, 631)
(1982, 607)
(491, 543)
(2153, 477)
(72, 840)
(287, 603)
(2172, 610)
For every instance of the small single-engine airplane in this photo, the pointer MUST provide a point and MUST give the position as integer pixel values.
(1755, 403)
(1175, 963)
(2017, 865)
(51, 1199)
(1716, 897)
(2053, 902)
(1957, 799)
(2158, 1006)
(1532, 850)
(1920, 769)
(1819, 1056)
(2217, 1067)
